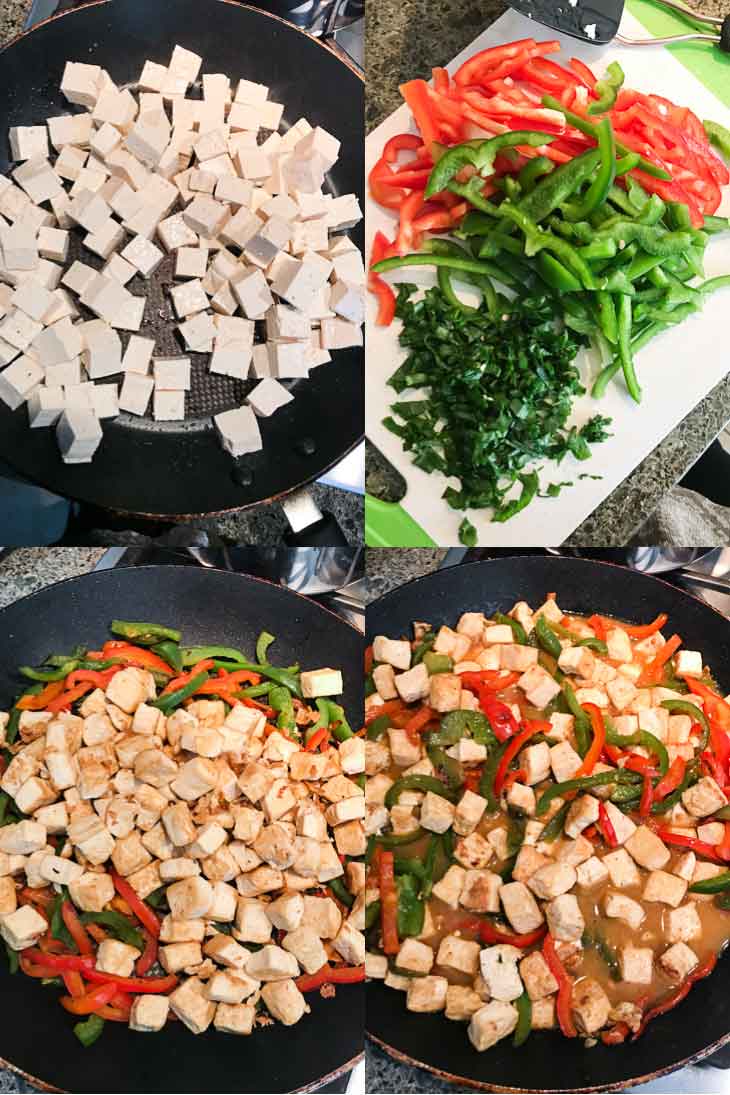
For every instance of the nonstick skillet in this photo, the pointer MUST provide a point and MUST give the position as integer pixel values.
(208, 606)
(548, 1061)
(180, 469)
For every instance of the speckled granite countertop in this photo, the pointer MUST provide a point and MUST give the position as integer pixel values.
(405, 39)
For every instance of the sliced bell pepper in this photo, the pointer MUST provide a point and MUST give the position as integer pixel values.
(330, 975)
(565, 987)
(652, 671)
(380, 288)
(63, 701)
(142, 911)
(418, 722)
(677, 995)
(671, 781)
(147, 959)
(76, 929)
(531, 727)
(416, 95)
(91, 1001)
(136, 655)
(40, 701)
(647, 796)
(99, 678)
(599, 740)
(707, 851)
(715, 706)
(388, 902)
(606, 826)
(490, 934)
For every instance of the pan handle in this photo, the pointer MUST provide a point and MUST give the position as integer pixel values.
(328, 38)
(310, 526)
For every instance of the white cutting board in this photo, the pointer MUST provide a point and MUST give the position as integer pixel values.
(676, 370)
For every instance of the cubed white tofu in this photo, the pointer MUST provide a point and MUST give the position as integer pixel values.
(396, 652)
(619, 907)
(582, 813)
(678, 961)
(537, 977)
(191, 1005)
(552, 880)
(426, 994)
(689, 662)
(648, 849)
(437, 813)
(491, 1023)
(22, 928)
(636, 964)
(591, 1006)
(520, 907)
(414, 684)
(564, 761)
(498, 965)
(480, 892)
(117, 958)
(564, 917)
(621, 868)
(704, 798)
(667, 888)
(149, 1013)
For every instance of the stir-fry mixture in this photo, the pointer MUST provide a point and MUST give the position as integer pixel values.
(181, 834)
(548, 822)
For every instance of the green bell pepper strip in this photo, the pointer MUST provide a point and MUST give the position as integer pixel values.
(456, 725)
(287, 676)
(437, 663)
(396, 840)
(471, 266)
(89, 1030)
(627, 163)
(537, 240)
(530, 485)
(281, 701)
(607, 89)
(599, 779)
(716, 884)
(372, 914)
(120, 926)
(723, 814)
(534, 170)
(582, 725)
(377, 727)
(556, 275)
(547, 638)
(600, 187)
(4, 803)
(13, 962)
(524, 1019)
(429, 866)
(47, 675)
(637, 342)
(654, 240)
(625, 795)
(684, 707)
(558, 186)
(722, 901)
(520, 635)
(254, 690)
(194, 654)
(341, 892)
(481, 155)
(404, 864)
(626, 355)
(411, 910)
(489, 772)
(13, 727)
(144, 634)
(597, 943)
(174, 699)
(171, 653)
(426, 643)
(599, 250)
(417, 783)
(713, 225)
(718, 136)
(341, 728)
(643, 738)
(555, 825)
(323, 719)
(57, 926)
(263, 643)
(591, 130)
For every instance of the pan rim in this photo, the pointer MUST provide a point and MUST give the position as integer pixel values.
(307, 479)
(481, 1085)
(340, 1070)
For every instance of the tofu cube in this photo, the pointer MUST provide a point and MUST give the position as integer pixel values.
(564, 917)
(636, 964)
(493, 1021)
(678, 961)
(520, 907)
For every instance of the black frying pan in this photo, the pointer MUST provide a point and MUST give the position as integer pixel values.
(208, 606)
(549, 1062)
(163, 469)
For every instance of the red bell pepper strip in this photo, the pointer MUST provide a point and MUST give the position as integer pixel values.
(616, 1034)
(723, 848)
(531, 727)
(185, 678)
(388, 902)
(677, 996)
(74, 983)
(39, 702)
(386, 299)
(145, 985)
(408, 238)
(489, 934)
(440, 79)
(317, 738)
(715, 707)
(147, 959)
(418, 722)
(65, 699)
(565, 987)
(707, 851)
(330, 975)
(99, 678)
(382, 169)
(84, 964)
(497, 62)
(636, 631)
(90, 1001)
(599, 740)
(671, 781)
(76, 929)
(600, 627)
(143, 912)
(491, 680)
(583, 73)
(517, 775)
(647, 796)
(136, 655)
(652, 672)
(606, 826)
(415, 93)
